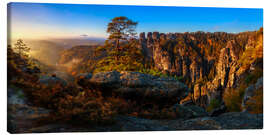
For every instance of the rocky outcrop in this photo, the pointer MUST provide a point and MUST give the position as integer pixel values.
(52, 80)
(209, 62)
(172, 58)
(226, 68)
(227, 65)
(22, 116)
(200, 95)
(135, 85)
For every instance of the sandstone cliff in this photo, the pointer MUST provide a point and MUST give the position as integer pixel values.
(209, 62)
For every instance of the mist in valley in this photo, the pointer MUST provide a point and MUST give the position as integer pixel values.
(46, 54)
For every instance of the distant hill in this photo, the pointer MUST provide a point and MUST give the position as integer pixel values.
(79, 58)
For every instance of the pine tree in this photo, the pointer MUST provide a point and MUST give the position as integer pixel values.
(21, 48)
(121, 28)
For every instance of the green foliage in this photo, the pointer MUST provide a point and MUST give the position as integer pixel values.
(254, 76)
(130, 58)
(251, 54)
(153, 71)
(67, 103)
(214, 103)
(255, 103)
(120, 29)
(233, 98)
(16, 64)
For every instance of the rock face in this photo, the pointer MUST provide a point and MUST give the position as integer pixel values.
(184, 54)
(135, 85)
(226, 73)
(171, 58)
(226, 65)
(182, 60)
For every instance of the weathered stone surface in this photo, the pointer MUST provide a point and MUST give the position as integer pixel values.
(155, 36)
(190, 62)
(227, 65)
(139, 124)
(226, 69)
(236, 120)
(218, 111)
(16, 96)
(135, 84)
(21, 116)
(233, 120)
(187, 100)
(176, 61)
(197, 91)
(52, 80)
(31, 71)
(191, 111)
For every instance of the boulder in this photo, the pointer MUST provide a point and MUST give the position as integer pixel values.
(187, 100)
(218, 111)
(16, 96)
(187, 112)
(231, 120)
(135, 85)
(240, 120)
(52, 80)
(31, 70)
(128, 123)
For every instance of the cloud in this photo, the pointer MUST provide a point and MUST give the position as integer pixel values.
(84, 35)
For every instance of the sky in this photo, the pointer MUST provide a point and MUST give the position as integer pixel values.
(40, 21)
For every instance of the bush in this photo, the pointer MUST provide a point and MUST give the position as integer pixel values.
(214, 103)
(88, 107)
(255, 103)
(129, 58)
(68, 103)
(252, 77)
(233, 98)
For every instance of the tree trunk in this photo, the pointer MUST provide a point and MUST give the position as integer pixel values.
(117, 49)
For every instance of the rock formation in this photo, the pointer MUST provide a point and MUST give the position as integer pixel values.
(135, 85)
(183, 55)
